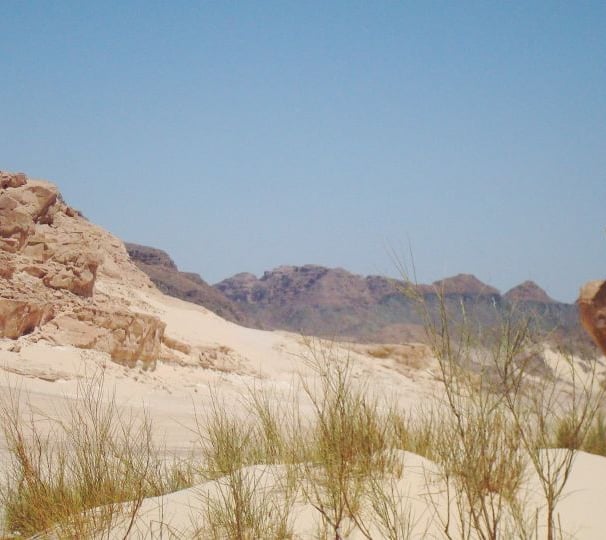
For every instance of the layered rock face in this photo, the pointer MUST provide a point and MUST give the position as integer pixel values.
(592, 307)
(128, 337)
(50, 261)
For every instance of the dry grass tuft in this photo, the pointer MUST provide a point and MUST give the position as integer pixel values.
(83, 471)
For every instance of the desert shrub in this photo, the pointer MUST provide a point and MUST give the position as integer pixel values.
(347, 440)
(595, 440)
(82, 471)
(502, 415)
(244, 504)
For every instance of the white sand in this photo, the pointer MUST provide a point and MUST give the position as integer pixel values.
(241, 358)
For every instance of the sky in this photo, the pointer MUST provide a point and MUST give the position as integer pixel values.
(240, 136)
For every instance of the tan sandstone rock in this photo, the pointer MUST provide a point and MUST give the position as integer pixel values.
(78, 277)
(128, 337)
(12, 179)
(592, 309)
(7, 267)
(51, 258)
(20, 317)
(21, 208)
(176, 345)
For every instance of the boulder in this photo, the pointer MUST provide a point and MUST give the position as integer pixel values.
(21, 208)
(128, 337)
(176, 345)
(77, 277)
(592, 310)
(15, 225)
(21, 317)
(50, 259)
(11, 179)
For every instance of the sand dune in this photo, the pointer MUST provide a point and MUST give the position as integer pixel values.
(230, 359)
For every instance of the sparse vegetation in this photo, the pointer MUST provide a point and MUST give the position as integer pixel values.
(339, 450)
(243, 504)
(83, 470)
(347, 442)
(595, 440)
(503, 417)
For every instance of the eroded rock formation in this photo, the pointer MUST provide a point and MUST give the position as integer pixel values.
(21, 317)
(592, 309)
(11, 179)
(128, 337)
(50, 261)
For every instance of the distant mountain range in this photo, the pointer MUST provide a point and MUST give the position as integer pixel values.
(333, 302)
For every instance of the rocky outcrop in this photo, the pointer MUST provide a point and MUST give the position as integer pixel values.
(334, 302)
(187, 286)
(50, 261)
(7, 267)
(592, 308)
(21, 208)
(77, 274)
(11, 179)
(128, 337)
(21, 317)
(528, 291)
(150, 256)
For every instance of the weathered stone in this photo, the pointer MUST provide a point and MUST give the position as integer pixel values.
(20, 317)
(7, 267)
(78, 279)
(128, 337)
(51, 256)
(20, 209)
(176, 345)
(592, 310)
(12, 180)
(36, 200)
(15, 225)
(36, 271)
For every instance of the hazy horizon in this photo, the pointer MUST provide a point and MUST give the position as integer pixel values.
(243, 136)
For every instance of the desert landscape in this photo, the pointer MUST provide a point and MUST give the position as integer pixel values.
(321, 270)
(127, 413)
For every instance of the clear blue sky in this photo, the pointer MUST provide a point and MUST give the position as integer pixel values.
(244, 135)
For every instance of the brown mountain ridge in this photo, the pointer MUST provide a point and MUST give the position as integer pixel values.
(333, 302)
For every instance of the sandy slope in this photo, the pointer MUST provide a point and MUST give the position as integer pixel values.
(581, 509)
(231, 359)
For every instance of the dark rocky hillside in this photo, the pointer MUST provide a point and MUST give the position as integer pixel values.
(162, 270)
(333, 302)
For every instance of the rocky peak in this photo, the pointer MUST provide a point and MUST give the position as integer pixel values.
(464, 284)
(528, 291)
(150, 255)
